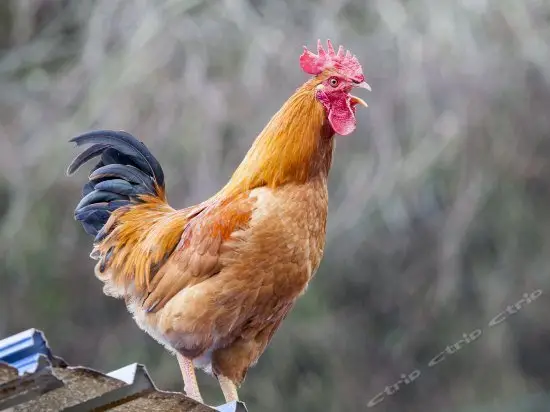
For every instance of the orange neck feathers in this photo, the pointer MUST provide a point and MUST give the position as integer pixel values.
(294, 147)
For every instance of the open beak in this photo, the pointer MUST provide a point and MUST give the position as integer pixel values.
(357, 100)
(364, 85)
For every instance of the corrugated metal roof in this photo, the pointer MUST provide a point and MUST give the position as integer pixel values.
(23, 350)
(32, 379)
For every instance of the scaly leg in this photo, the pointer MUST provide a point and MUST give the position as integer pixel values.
(189, 379)
(228, 388)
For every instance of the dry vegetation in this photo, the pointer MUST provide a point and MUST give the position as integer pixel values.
(439, 202)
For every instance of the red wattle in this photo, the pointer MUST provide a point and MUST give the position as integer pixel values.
(341, 116)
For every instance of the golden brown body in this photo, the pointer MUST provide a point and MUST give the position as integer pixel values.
(225, 321)
(213, 282)
(238, 261)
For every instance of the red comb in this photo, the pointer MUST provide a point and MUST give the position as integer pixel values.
(342, 61)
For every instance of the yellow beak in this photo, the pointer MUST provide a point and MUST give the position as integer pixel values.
(364, 85)
(357, 100)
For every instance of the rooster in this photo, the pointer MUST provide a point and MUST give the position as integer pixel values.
(213, 282)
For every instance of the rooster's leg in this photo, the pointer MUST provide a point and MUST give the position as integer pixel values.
(189, 379)
(228, 388)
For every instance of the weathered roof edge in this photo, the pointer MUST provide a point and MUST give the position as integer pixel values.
(31, 378)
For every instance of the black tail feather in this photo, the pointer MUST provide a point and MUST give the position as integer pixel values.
(126, 169)
(99, 196)
(126, 172)
(88, 154)
(119, 186)
(87, 188)
(126, 144)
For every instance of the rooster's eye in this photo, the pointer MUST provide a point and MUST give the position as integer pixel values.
(333, 81)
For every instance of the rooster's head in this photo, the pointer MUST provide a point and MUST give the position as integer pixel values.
(336, 74)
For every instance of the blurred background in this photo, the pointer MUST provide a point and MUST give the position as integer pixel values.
(440, 201)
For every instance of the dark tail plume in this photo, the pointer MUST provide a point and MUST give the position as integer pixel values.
(126, 171)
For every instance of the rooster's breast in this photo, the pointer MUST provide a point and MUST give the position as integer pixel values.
(226, 321)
